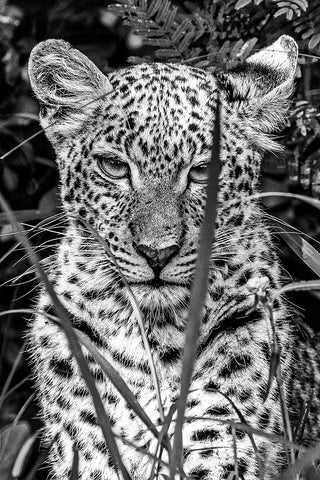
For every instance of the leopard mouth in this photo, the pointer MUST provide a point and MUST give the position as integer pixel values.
(155, 283)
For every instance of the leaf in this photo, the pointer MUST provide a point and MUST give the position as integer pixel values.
(186, 41)
(12, 438)
(157, 42)
(163, 12)
(299, 430)
(121, 9)
(30, 475)
(10, 179)
(288, 12)
(23, 456)
(163, 53)
(314, 41)
(154, 7)
(273, 368)
(303, 249)
(180, 31)
(242, 3)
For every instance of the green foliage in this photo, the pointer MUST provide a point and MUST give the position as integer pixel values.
(217, 28)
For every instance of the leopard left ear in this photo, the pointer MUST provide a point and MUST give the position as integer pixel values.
(68, 86)
(262, 86)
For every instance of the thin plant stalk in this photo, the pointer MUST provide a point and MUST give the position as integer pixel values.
(12, 372)
(110, 372)
(75, 464)
(73, 342)
(198, 291)
(267, 306)
(23, 408)
(137, 312)
(235, 453)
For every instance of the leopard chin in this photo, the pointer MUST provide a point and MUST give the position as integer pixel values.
(165, 293)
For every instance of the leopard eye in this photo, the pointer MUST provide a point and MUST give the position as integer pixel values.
(199, 173)
(112, 167)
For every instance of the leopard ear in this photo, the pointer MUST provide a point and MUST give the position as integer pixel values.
(67, 84)
(262, 86)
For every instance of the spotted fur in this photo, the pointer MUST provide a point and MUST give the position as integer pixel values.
(158, 120)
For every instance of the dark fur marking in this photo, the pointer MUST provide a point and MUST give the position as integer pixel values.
(199, 473)
(63, 403)
(236, 364)
(216, 411)
(205, 434)
(61, 367)
(88, 417)
(230, 324)
(206, 452)
(238, 433)
(90, 332)
(170, 356)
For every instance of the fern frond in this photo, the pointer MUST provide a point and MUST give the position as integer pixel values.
(308, 25)
(291, 9)
(161, 25)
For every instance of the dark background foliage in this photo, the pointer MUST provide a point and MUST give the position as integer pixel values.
(205, 33)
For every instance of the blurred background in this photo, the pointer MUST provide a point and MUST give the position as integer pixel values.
(206, 34)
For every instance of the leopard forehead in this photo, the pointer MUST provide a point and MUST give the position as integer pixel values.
(157, 116)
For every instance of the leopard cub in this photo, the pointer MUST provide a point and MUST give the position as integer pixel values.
(133, 149)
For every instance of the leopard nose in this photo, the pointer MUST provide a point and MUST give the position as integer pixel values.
(157, 259)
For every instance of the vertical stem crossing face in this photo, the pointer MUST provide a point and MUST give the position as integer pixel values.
(199, 289)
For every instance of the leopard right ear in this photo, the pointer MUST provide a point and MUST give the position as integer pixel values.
(67, 84)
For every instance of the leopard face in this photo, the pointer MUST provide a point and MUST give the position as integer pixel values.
(133, 151)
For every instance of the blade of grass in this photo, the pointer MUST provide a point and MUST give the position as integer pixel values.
(11, 373)
(5, 331)
(235, 453)
(75, 464)
(25, 216)
(243, 420)
(72, 340)
(301, 247)
(267, 305)
(136, 310)
(298, 431)
(107, 368)
(23, 408)
(273, 368)
(39, 461)
(117, 381)
(162, 435)
(311, 201)
(305, 460)
(245, 427)
(198, 291)
(296, 286)
(13, 389)
(23, 456)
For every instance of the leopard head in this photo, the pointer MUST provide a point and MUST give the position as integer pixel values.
(133, 148)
